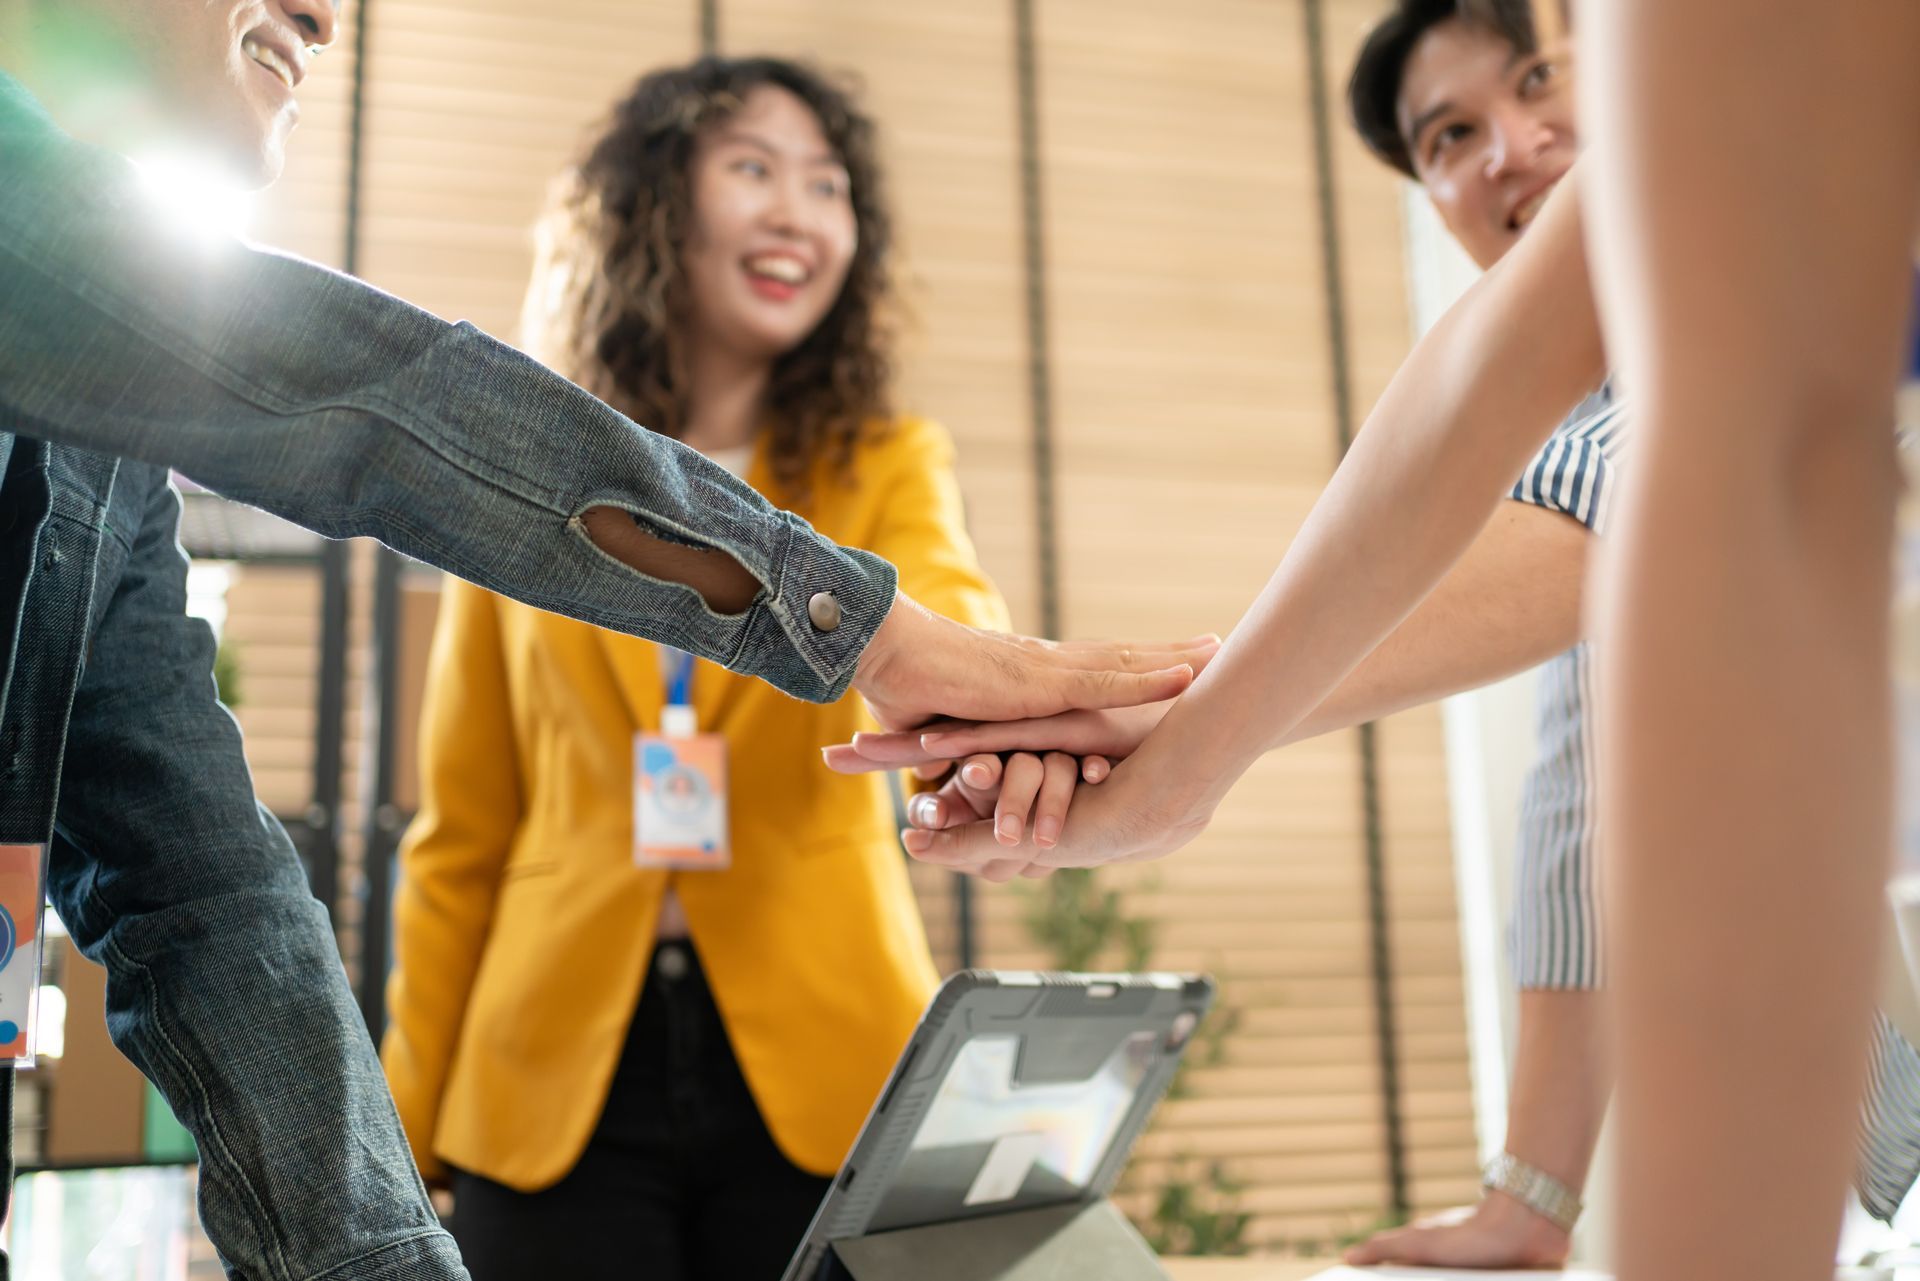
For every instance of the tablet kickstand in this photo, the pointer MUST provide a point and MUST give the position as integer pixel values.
(1090, 1242)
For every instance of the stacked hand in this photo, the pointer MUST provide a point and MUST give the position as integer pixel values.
(919, 666)
(1004, 810)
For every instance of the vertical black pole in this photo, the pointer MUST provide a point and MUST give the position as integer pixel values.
(323, 815)
(1039, 366)
(336, 558)
(379, 824)
(709, 27)
(1039, 379)
(1386, 1023)
(381, 821)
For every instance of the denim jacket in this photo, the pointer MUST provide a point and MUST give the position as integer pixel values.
(282, 384)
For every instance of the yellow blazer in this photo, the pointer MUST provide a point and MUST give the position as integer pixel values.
(523, 930)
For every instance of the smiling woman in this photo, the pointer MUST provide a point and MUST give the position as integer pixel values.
(684, 1055)
(785, 266)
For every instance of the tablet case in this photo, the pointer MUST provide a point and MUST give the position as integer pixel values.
(1077, 1242)
(863, 1233)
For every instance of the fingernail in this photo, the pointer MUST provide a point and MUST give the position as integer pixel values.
(926, 811)
(1095, 771)
(1046, 832)
(933, 742)
(978, 775)
(917, 842)
(1009, 830)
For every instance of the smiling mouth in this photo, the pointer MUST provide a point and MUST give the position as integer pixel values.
(778, 268)
(270, 58)
(1529, 209)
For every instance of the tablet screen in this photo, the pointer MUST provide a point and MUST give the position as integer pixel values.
(991, 1142)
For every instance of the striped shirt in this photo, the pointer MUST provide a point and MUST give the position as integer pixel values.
(1556, 937)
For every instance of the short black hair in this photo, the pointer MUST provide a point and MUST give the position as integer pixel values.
(1373, 91)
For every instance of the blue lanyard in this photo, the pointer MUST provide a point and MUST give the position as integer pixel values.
(678, 667)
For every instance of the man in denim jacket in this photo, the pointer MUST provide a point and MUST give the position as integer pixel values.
(125, 351)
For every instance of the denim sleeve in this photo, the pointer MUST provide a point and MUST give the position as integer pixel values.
(302, 391)
(224, 982)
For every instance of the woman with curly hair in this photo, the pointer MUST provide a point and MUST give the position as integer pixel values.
(585, 1035)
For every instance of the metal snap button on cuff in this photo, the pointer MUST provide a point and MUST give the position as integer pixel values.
(824, 610)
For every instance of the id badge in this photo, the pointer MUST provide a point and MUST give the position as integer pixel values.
(680, 802)
(23, 897)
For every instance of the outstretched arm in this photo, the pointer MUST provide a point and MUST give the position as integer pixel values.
(1459, 421)
(279, 383)
(1511, 602)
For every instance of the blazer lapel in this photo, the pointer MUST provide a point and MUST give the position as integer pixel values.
(635, 664)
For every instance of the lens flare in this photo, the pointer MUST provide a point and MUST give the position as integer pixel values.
(194, 197)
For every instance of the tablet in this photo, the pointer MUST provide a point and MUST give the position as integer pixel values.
(1018, 1090)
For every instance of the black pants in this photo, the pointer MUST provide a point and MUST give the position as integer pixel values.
(6, 1169)
(680, 1181)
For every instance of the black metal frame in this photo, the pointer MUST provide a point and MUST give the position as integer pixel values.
(380, 824)
(321, 839)
(381, 821)
(709, 26)
(1379, 927)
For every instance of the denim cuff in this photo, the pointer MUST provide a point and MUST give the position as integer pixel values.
(431, 1256)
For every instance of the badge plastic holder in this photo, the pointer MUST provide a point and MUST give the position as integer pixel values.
(23, 898)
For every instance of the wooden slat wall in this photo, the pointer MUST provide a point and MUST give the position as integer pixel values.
(940, 81)
(273, 624)
(1193, 426)
(472, 106)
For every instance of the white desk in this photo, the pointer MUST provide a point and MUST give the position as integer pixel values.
(1303, 1269)
(1245, 1269)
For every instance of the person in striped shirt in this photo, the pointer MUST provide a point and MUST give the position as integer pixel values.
(1459, 97)
(1465, 101)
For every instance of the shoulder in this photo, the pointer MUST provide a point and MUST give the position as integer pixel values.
(905, 440)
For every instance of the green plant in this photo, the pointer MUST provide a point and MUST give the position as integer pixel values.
(1198, 1215)
(1078, 921)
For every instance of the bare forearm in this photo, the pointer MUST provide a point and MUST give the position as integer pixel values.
(1562, 1076)
(723, 582)
(1511, 602)
(1457, 424)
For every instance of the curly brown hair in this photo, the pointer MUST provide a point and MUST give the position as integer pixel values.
(608, 304)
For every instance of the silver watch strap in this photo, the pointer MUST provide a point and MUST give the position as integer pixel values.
(1534, 1188)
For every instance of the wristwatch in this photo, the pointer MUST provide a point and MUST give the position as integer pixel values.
(1534, 1188)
